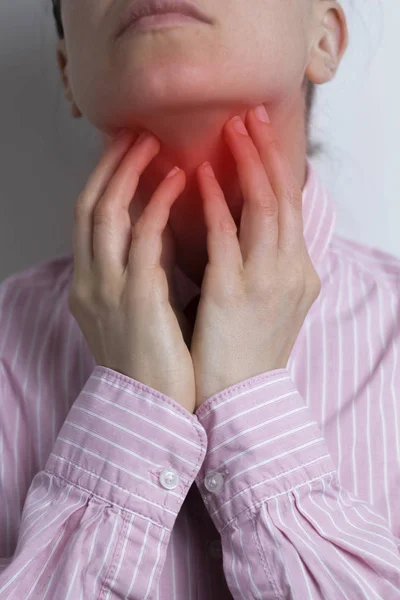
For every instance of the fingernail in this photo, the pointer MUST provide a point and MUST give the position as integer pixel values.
(207, 168)
(143, 136)
(262, 114)
(239, 126)
(172, 173)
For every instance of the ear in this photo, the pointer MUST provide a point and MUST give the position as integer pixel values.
(331, 37)
(62, 62)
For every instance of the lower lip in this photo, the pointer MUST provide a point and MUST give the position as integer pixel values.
(163, 20)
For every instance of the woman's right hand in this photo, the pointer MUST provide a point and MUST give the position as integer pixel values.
(121, 288)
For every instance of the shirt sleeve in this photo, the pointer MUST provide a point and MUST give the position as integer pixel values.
(97, 520)
(288, 529)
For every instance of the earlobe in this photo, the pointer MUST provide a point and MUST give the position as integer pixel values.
(318, 72)
(76, 113)
(329, 66)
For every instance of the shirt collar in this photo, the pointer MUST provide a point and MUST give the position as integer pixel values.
(319, 220)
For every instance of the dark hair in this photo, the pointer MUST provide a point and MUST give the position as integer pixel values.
(57, 17)
(313, 148)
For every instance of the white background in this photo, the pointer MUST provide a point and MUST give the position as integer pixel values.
(46, 156)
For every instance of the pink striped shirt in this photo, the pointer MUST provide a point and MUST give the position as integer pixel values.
(286, 485)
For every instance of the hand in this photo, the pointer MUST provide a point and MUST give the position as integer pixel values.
(256, 291)
(123, 275)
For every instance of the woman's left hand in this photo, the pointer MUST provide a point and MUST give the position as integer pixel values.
(257, 290)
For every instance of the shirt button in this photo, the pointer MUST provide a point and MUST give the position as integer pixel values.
(215, 549)
(169, 478)
(214, 482)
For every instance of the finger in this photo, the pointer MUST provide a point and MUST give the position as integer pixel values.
(222, 241)
(259, 221)
(88, 198)
(112, 226)
(283, 181)
(146, 250)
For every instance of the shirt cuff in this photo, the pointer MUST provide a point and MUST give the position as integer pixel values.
(130, 445)
(262, 442)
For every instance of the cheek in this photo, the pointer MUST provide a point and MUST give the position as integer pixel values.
(86, 15)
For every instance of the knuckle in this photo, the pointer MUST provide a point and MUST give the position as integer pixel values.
(261, 288)
(294, 196)
(268, 205)
(103, 215)
(295, 282)
(79, 209)
(228, 227)
(78, 296)
(274, 143)
(84, 299)
(102, 300)
(315, 284)
(105, 296)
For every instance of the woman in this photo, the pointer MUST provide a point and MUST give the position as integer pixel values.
(260, 459)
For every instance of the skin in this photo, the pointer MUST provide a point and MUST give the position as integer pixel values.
(183, 84)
